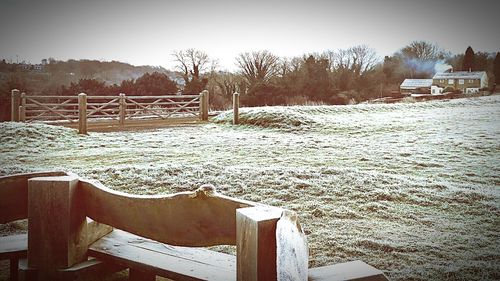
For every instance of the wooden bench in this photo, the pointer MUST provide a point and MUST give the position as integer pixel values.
(156, 235)
(13, 248)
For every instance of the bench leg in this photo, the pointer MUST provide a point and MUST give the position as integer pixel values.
(14, 267)
(26, 273)
(137, 275)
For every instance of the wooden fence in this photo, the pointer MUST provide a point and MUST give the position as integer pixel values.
(79, 109)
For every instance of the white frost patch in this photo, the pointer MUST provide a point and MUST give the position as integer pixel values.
(292, 253)
(411, 189)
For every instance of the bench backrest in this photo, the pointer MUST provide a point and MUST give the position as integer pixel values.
(14, 195)
(270, 243)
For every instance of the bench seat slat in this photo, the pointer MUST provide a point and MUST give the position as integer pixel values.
(13, 246)
(178, 263)
(354, 270)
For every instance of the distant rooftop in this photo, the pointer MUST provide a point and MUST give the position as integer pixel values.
(460, 74)
(416, 83)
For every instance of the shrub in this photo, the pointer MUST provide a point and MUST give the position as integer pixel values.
(449, 89)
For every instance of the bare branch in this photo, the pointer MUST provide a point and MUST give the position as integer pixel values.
(257, 66)
(191, 63)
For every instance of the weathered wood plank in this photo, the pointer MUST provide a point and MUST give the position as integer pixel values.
(236, 109)
(16, 246)
(96, 231)
(256, 243)
(91, 269)
(33, 111)
(174, 262)
(354, 270)
(82, 113)
(55, 107)
(13, 246)
(200, 218)
(52, 97)
(292, 252)
(122, 106)
(15, 102)
(57, 224)
(14, 195)
(162, 97)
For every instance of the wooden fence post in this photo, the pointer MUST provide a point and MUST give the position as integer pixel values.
(205, 105)
(22, 108)
(236, 108)
(57, 229)
(256, 243)
(202, 103)
(123, 107)
(15, 103)
(82, 113)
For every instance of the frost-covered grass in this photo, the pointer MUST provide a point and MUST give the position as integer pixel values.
(412, 189)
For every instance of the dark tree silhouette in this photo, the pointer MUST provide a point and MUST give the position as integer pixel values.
(315, 79)
(90, 87)
(496, 68)
(154, 84)
(469, 60)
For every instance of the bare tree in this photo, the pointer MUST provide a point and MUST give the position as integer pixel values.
(423, 51)
(257, 66)
(330, 56)
(191, 63)
(284, 66)
(296, 63)
(358, 59)
(228, 83)
(364, 59)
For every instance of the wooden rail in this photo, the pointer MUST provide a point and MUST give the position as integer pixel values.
(71, 236)
(79, 109)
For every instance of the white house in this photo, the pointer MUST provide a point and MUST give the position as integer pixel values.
(466, 81)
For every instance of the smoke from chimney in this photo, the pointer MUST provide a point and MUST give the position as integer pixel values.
(441, 66)
(428, 66)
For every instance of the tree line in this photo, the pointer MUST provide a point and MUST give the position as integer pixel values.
(341, 76)
(262, 78)
(332, 77)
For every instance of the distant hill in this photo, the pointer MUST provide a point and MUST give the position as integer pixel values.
(51, 74)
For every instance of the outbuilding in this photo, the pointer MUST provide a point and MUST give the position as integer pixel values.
(415, 86)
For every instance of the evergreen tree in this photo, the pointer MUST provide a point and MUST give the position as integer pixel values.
(154, 84)
(496, 68)
(315, 79)
(469, 60)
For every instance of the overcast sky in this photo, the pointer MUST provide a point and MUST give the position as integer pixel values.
(146, 32)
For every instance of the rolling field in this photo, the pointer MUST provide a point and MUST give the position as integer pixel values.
(412, 188)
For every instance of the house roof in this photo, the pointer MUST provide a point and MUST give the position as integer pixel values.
(460, 75)
(416, 83)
